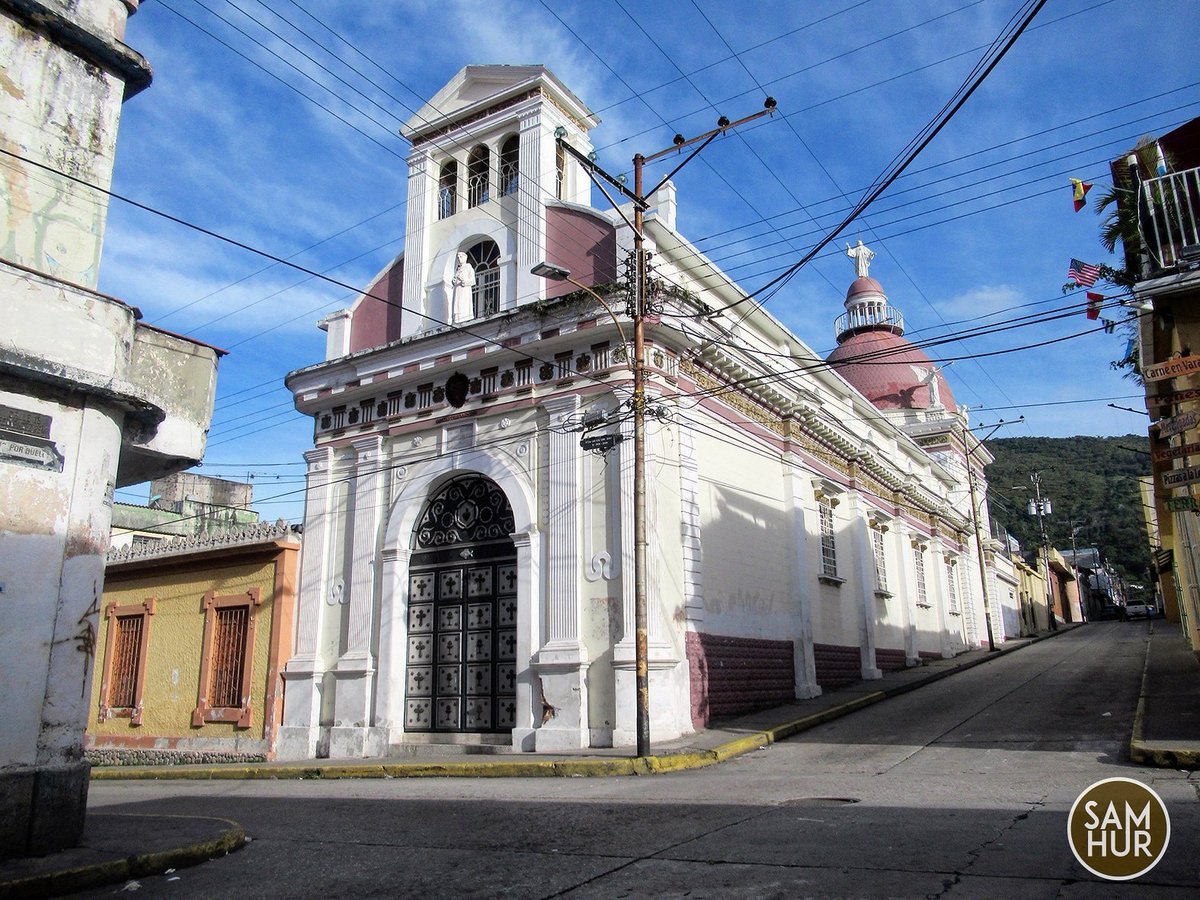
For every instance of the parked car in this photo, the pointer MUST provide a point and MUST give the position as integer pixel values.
(1137, 609)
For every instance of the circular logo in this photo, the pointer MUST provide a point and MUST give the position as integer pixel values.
(1118, 829)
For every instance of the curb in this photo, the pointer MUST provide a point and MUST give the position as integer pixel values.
(1162, 756)
(68, 881)
(548, 768)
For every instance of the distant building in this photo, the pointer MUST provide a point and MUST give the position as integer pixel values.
(1158, 222)
(91, 398)
(180, 505)
(468, 571)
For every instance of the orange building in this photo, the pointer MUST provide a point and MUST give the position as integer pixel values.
(193, 635)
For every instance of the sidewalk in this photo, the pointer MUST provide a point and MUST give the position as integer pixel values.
(116, 848)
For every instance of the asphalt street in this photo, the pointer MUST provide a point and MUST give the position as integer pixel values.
(958, 789)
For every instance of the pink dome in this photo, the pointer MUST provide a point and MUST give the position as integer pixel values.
(864, 286)
(880, 365)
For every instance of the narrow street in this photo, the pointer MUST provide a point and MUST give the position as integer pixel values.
(958, 789)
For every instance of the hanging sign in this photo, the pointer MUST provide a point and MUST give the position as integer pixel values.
(1180, 477)
(1168, 427)
(1181, 365)
(1175, 452)
(1173, 397)
(1182, 504)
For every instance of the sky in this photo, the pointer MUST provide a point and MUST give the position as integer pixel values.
(276, 124)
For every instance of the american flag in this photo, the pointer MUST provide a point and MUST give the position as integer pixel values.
(1084, 274)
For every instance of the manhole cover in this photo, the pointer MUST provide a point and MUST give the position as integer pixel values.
(820, 801)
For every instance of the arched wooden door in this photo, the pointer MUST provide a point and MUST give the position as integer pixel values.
(462, 612)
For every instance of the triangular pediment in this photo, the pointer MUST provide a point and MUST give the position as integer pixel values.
(476, 88)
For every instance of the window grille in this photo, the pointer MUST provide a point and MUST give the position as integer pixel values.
(484, 258)
(228, 656)
(226, 659)
(919, 572)
(127, 646)
(478, 181)
(487, 380)
(510, 166)
(828, 541)
(524, 372)
(951, 586)
(448, 190)
(880, 552)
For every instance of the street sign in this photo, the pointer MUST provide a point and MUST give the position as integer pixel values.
(1181, 365)
(1182, 504)
(1175, 452)
(1168, 427)
(601, 443)
(1180, 477)
(1173, 397)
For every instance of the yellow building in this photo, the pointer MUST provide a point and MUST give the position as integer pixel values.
(193, 636)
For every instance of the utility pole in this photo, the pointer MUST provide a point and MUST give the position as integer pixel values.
(638, 311)
(1040, 508)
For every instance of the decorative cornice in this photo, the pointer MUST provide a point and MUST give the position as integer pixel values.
(248, 535)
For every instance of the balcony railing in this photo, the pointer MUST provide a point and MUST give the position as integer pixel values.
(1169, 219)
(870, 317)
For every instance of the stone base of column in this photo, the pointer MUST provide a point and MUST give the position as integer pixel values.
(669, 705)
(353, 681)
(296, 742)
(42, 808)
(870, 673)
(561, 673)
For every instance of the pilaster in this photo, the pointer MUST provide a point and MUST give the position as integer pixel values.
(864, 568)
(803, 660)
(561, 663)
(416, 312)
(302, 675)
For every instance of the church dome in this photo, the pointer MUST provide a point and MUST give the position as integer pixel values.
(890, 371)
(873, 354)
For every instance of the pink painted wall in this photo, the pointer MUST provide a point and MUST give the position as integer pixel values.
(375, 316)
(583, 243)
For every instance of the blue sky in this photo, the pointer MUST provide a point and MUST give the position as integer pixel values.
(980, 225)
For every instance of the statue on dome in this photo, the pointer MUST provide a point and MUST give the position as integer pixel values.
(462, 303)
(929, 379)
(862, 257)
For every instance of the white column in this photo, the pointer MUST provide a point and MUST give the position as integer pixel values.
(392, 663)
(905, 590)
(355, 670)
(302, 675)
(530, 243)
(529, 636)
(419, 210)
(561, 663)
(803, 660)
(864, 562)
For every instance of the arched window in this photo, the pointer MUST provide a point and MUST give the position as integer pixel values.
(448, 190)
(478, 184)
(560, 170)
(510, 167)
(484, 258)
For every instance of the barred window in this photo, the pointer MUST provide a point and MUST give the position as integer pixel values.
(124, 679)
(478, 177)
(880, 553)
(828, 541)
(951, 586)
(510, 166)
(484, 258)
(226, 660)
(448, 190)
(919, 574)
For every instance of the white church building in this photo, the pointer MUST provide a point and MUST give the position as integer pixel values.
(467, 573)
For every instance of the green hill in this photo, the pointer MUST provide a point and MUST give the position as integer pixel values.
(1092, 483)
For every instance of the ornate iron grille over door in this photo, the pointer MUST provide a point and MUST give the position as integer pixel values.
(462, 612)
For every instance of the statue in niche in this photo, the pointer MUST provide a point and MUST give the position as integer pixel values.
(862, 257)
(461, 289)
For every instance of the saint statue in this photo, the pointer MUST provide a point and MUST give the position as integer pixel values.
(929, 379)
(862, 257)
(461, 285)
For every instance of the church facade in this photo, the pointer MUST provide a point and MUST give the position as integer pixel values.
(467, 572)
